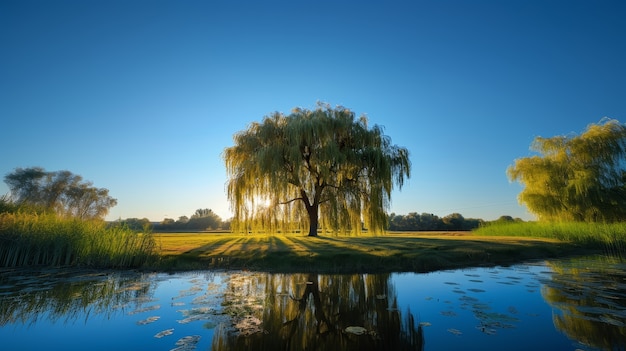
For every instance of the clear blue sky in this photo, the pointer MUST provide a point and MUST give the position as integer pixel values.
(141, 97)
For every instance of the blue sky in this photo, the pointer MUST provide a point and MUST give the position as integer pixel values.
(141, 97)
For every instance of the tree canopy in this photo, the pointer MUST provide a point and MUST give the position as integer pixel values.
(61, 191)
(576, 177)
(286, 170)
(202, 219)
(428, 221)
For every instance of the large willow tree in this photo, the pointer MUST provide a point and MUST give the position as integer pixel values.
(287, 170)
(576, 177)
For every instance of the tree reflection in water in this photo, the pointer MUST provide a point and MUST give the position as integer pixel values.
(591, 297)
(56, 294)
(320, 312)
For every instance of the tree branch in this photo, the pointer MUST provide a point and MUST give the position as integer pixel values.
(290, 201)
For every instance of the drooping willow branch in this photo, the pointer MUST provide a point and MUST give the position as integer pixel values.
(342, 170)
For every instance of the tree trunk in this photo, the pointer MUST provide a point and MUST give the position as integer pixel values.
(313, 219)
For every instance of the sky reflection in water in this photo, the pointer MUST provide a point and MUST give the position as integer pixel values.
(559, 305)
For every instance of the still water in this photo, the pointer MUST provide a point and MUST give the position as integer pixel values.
(574, 304)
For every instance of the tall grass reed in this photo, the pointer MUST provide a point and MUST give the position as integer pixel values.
(610, 237)
(32, 239)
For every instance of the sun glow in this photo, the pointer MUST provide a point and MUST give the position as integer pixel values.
(258, 203)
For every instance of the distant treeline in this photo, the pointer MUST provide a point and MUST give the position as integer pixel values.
(202, 219)
(206, 219)
(427, 221)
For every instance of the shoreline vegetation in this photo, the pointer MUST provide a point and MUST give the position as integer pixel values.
(30, 239)
(35, 240)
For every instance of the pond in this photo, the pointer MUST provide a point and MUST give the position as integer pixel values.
(574, 304)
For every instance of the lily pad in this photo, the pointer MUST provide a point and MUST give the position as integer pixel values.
(187, 340)
(163, 333)
(187, 343)
(144, 309)
(455, 331)
(476, 290)
(148, 320)
(355, 330)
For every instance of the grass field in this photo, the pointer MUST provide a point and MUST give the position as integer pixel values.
(394, 252)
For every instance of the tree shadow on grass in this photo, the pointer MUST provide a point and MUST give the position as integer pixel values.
(284, 254)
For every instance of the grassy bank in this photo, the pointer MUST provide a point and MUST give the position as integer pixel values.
(396, 252)
(39, 239)
(31, 239)
(607, 237)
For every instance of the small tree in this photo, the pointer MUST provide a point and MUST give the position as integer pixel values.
(286, 170)
(204, 219)
(576, 177)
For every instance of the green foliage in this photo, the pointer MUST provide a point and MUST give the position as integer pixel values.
(576, 178)
(31, 239)
(608, 236)
(202, 219)
(286, 170)
(6, 205)
(136, 224)
(427, 221)
(61, 192)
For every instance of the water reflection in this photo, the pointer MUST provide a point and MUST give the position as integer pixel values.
(591, 297)
(313, 312)
(27, 297)
(579, 304)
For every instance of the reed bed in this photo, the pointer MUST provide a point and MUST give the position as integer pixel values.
(610, 237)
(34, 239)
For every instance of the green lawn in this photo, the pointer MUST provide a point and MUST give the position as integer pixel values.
(394, 252)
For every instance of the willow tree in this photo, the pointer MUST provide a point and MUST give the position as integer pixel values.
(286, 171)
(576, 177)
(317, 315)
